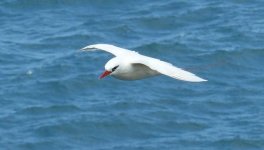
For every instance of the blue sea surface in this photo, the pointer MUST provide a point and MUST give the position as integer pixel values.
(51, 98)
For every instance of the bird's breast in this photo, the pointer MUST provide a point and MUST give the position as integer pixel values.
(136, 72)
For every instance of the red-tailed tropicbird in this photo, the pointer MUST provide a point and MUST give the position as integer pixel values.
(130, 65)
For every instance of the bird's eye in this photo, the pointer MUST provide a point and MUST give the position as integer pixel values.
(113, 69)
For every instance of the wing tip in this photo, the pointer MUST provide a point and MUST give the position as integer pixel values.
(198, 79)
(88, 47)
(202, 80)
(85, 48)
(94, 46)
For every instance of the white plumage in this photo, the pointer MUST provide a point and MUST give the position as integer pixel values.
(130, 65)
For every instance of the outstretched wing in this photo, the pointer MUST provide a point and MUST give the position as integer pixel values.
(168, 69)
(117, 51)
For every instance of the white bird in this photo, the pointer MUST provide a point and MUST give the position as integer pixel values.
(130, 65)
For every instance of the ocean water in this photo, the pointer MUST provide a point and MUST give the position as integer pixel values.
(51, 98)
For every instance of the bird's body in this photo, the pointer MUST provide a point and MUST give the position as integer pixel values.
(133, 72)
(130, 65)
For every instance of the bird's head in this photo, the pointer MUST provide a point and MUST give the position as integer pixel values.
(111, 67)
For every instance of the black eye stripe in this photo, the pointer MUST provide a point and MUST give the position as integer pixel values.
(114, 68)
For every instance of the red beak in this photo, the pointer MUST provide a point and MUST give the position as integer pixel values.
(106, 73)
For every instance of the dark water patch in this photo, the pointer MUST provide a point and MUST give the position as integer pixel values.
(55, 109)
(33, 5)
(239, 142)
(51, 144)
(157, 23)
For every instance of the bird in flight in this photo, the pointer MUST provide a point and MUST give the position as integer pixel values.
(130, 65)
